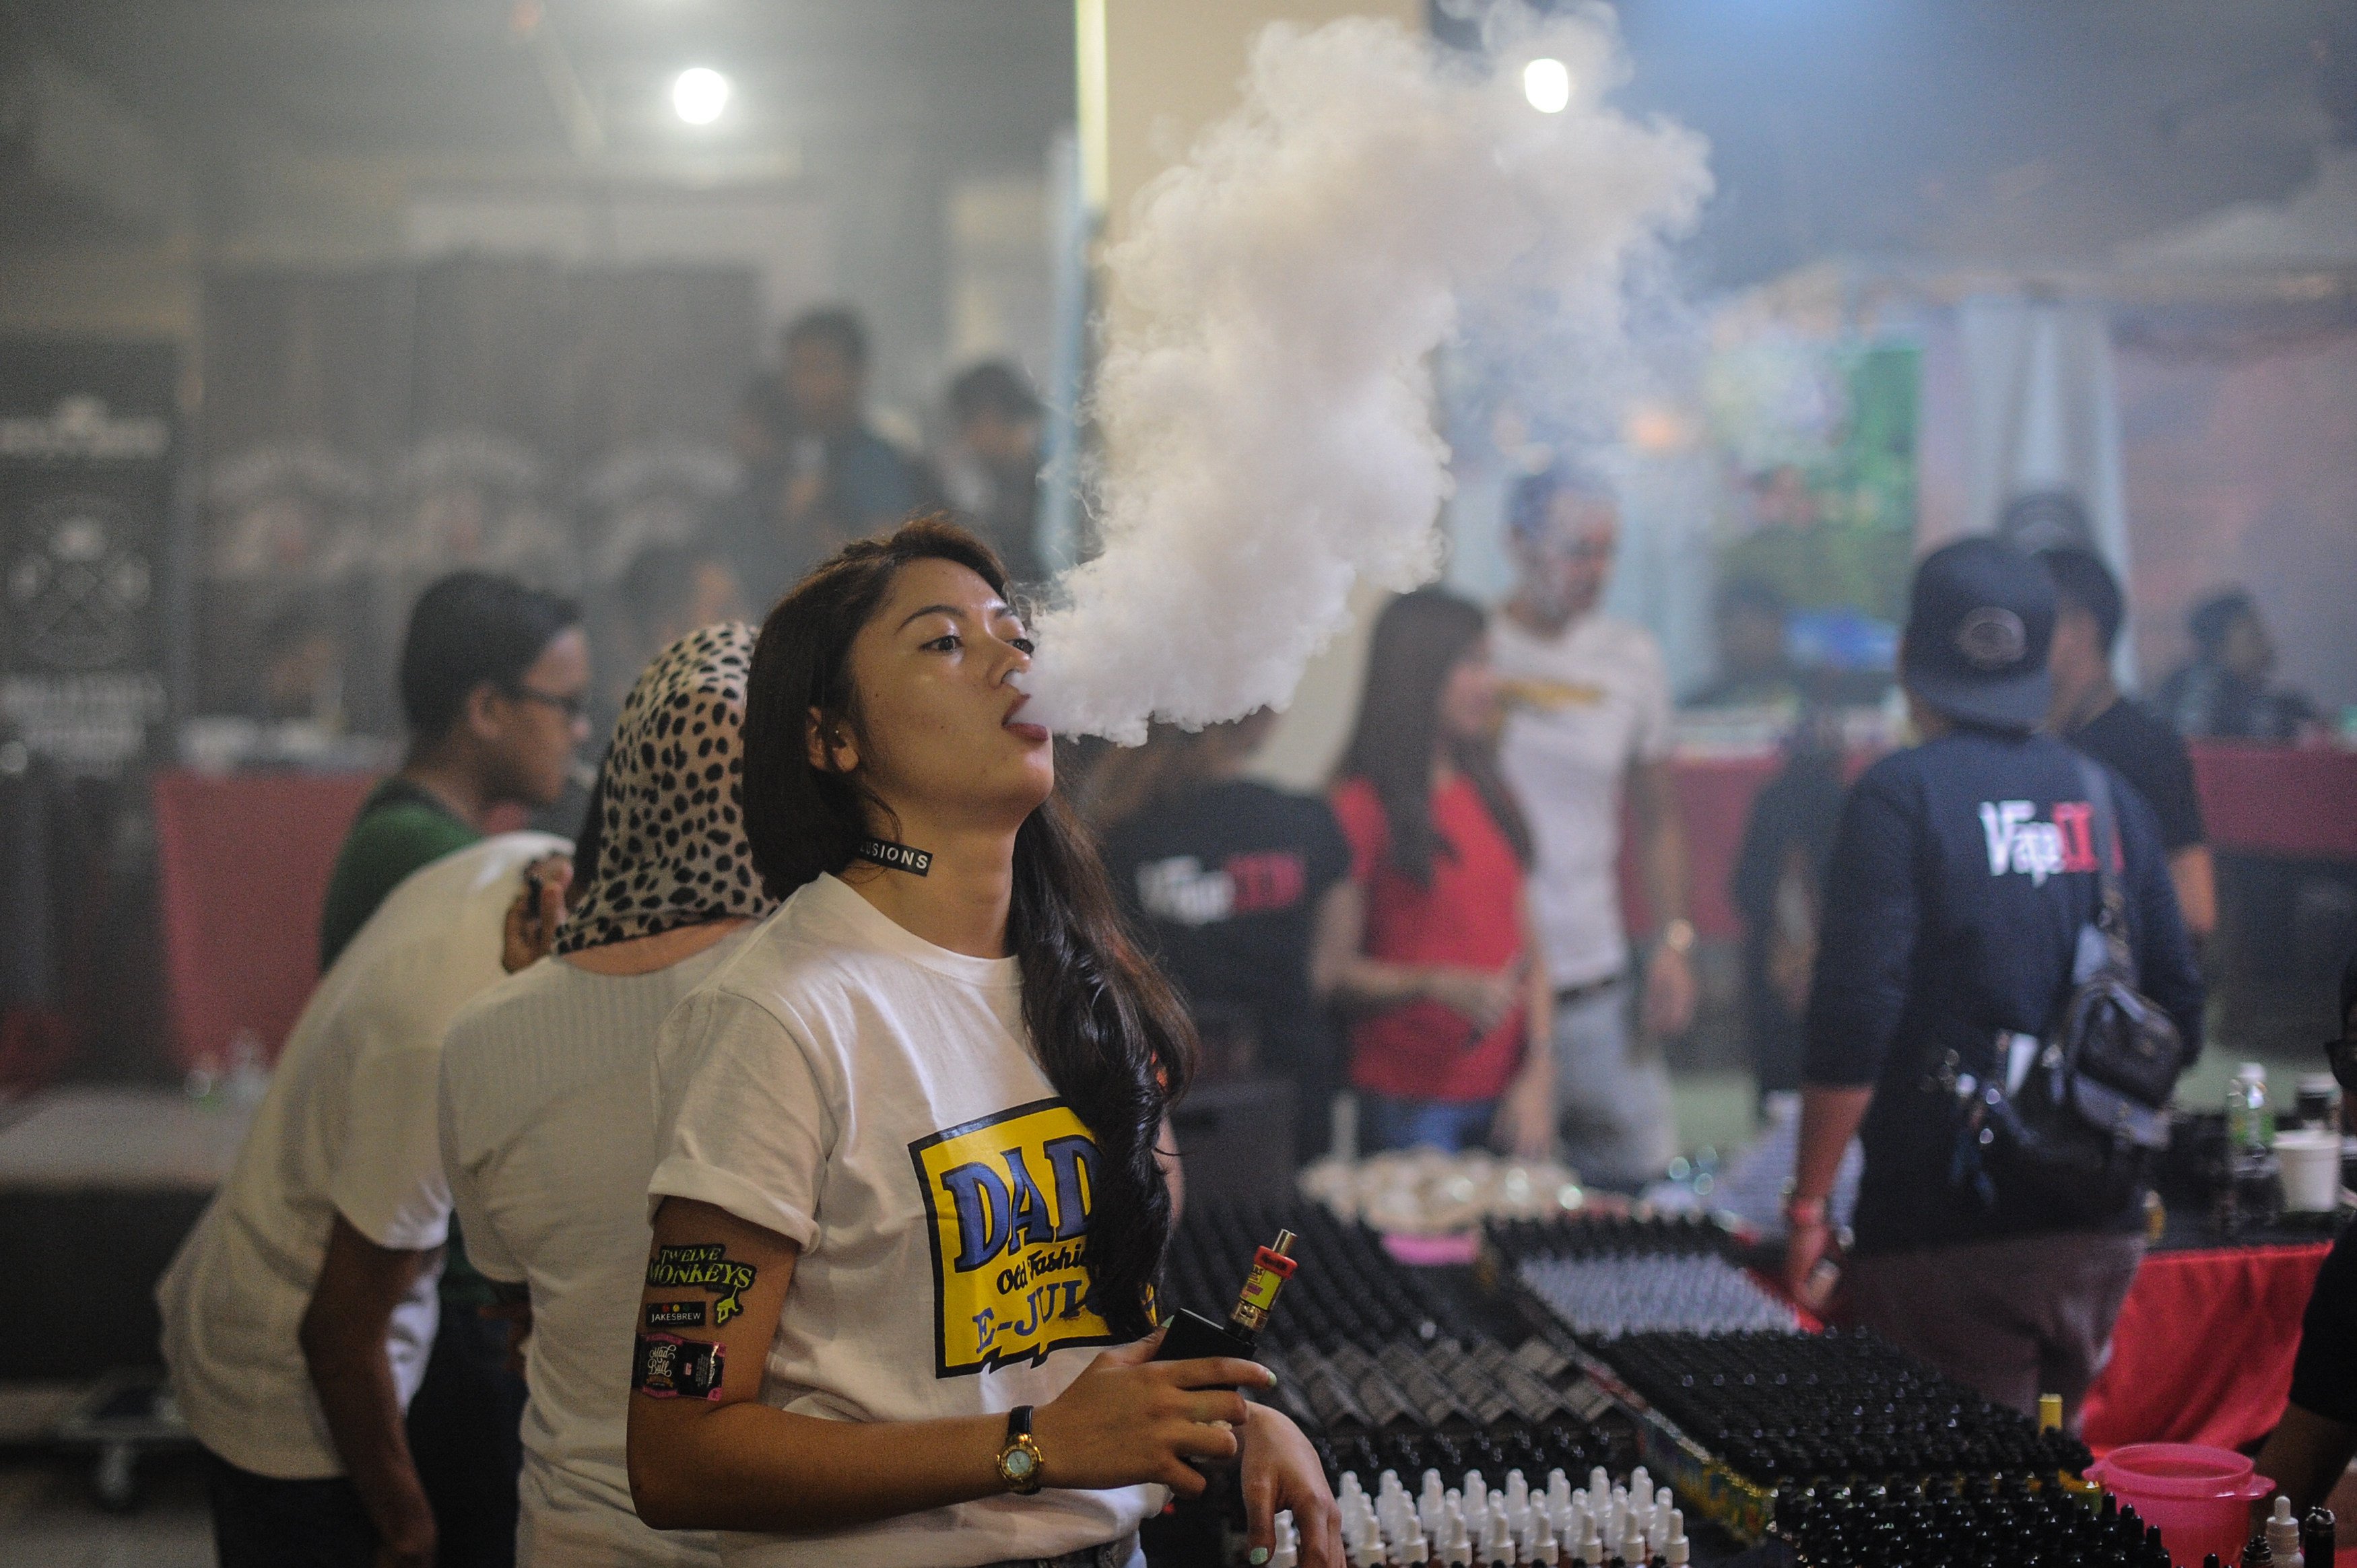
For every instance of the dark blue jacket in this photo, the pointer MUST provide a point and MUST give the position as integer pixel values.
(1961, 874)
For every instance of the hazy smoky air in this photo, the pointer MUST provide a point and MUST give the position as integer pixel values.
(1267, 397)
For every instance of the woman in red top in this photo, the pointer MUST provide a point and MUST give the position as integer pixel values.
(1432, 949)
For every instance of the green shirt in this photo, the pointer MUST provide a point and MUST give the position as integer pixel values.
(401, 827)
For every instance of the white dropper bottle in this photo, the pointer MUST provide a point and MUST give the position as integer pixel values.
(2282, 1536)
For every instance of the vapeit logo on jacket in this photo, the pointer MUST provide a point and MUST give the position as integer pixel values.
(1184, 891)
(2019, 845)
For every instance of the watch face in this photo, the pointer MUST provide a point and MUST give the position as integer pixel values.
(1019, 1464)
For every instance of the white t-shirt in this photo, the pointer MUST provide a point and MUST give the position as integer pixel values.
(548, 1136)
(348, 1126)
(1581, 708)
(873, 1098)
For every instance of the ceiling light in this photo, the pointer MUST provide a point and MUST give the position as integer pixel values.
(699, 94)
(1547, 84)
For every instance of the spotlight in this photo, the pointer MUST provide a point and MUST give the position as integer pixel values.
(699, 94)
(1547, 84)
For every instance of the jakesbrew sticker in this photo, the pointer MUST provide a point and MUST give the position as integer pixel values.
(1010, 1198)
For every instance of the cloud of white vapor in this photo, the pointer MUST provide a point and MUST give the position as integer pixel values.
(1266, 398)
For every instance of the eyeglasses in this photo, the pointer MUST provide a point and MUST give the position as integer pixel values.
(574, 705)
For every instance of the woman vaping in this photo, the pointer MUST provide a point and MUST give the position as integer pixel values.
(1433, 952)
(909, 1186)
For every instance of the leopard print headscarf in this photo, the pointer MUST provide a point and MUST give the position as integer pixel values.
(671, 850)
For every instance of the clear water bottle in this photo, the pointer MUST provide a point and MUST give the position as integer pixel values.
(2250, 1121)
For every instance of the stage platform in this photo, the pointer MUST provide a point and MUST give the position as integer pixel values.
(98, 1185)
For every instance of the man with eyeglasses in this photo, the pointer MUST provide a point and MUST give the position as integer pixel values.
(495, 685)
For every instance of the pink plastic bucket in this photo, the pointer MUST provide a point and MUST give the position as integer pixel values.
(2201, 1497)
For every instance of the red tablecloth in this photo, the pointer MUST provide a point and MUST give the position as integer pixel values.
(2268, 800)
(2260, 800)
(243, 870)
(2204, 1347)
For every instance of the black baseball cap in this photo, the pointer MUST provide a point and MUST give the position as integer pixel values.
(1979, 622)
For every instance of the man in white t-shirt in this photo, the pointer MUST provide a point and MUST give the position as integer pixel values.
(299, 1312)
(1587, 718)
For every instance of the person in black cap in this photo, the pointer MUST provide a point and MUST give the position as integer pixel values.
(1962, 874)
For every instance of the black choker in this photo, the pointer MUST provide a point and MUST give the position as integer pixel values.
(899, 856)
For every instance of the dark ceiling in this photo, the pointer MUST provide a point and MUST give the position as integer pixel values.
(1927, 130)
(960, 86)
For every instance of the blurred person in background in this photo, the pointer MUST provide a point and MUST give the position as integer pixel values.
(2222, 694)
(1777, 888)
(823, 476)
(1754, 670)
(548, 1107)
(990, 469)
(2309, 1452)
(1432, 944)
(300, 673)
(1588, 716)
(300, 1315)
(1965, 872)
(666, 592)
(2121, 733)
(495, 687)
(1232, 879)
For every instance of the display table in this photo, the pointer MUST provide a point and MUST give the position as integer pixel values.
(2203, 1348)
(2258, 799)
(97, 1187)
(2275, 801)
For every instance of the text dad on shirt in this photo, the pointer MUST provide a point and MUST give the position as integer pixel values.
(1010, 1198)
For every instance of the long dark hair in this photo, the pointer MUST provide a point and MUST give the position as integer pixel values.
(1110, 1033)
(1418, 639)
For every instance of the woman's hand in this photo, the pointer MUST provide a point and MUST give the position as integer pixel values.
(1524, 1124)
(1669, 1000)
(539, 909)
(1809, 1250)
(1281, 1471)
(1482, 997)
(1130, 1418)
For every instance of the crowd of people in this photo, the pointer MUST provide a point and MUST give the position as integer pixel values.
(789, 1156)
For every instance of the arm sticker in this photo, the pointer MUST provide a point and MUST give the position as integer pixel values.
(669, 1368)
(706, 1266)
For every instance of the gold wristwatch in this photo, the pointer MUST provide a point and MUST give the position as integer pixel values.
(1021, 1462)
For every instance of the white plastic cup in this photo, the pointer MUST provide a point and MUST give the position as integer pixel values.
(2311, 1170)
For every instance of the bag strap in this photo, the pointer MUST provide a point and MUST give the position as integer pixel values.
(2111, 897)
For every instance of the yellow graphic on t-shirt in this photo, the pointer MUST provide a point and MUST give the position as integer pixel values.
(1550, 696)
(1010, 1198)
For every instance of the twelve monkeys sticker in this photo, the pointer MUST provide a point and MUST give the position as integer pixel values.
(1008, 1196)
(709, 1267)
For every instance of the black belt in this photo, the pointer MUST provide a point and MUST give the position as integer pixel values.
(1572, 995)
(1111, 1554)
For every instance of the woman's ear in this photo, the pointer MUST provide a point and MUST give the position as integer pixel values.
(829, 750)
